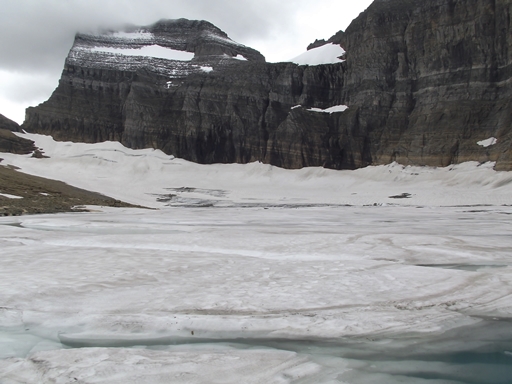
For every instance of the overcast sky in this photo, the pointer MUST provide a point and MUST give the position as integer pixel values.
(36, 35)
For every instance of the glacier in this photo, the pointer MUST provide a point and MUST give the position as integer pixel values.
(252, 273)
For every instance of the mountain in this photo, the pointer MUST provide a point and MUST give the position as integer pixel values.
(424, 83)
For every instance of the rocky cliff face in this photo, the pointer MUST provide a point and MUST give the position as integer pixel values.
(10, 142)
(424, 82)
(8, 124)
(430, 79)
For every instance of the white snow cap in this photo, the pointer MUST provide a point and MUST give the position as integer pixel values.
(326, 54)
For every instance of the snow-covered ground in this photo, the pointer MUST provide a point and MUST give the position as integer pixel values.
(255, 274)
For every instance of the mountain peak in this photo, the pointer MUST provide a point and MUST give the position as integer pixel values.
(183, 42)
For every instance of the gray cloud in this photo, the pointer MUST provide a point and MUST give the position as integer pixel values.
(36, 35)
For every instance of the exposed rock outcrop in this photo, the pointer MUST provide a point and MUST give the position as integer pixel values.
(424, 82)
(39, 195)
(9, 142)
(8, 124)
(337, 38)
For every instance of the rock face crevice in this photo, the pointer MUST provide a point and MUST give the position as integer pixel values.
(424, 82)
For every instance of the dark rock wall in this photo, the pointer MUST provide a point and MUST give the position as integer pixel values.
(8, 124)
(431, 79)
(424, 81)
(9, 142)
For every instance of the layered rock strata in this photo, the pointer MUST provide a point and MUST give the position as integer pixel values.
(8, 124)
(424, 83)
(9, 142)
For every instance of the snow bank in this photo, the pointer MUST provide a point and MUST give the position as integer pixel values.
(151, 178)
(326, 54)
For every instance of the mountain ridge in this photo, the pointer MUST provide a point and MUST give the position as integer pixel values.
(423, 82)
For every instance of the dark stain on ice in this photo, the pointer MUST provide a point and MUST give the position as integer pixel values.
(17, 225)
(201, 191)
(401, 196)
(463, 267)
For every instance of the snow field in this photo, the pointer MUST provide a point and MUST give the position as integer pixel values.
(239, 260)
(150, 175)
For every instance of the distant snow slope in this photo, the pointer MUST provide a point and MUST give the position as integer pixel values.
(147, 176)
(326, 54)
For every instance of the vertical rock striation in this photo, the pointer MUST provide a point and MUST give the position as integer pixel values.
(424, 82)
(431, 79)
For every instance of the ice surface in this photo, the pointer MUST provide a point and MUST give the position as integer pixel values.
(154, 50)
(488, 142)
(326, 54)
(201, 365)
(252, 272)
(336, 108)
(128, 277)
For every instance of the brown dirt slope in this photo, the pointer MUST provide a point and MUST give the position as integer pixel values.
(40, 195)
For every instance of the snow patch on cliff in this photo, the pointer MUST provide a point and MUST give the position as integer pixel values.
(10, 196)
(336, 108)
(139, 35)
(154, 50)
(488, 142)
(326, 54)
